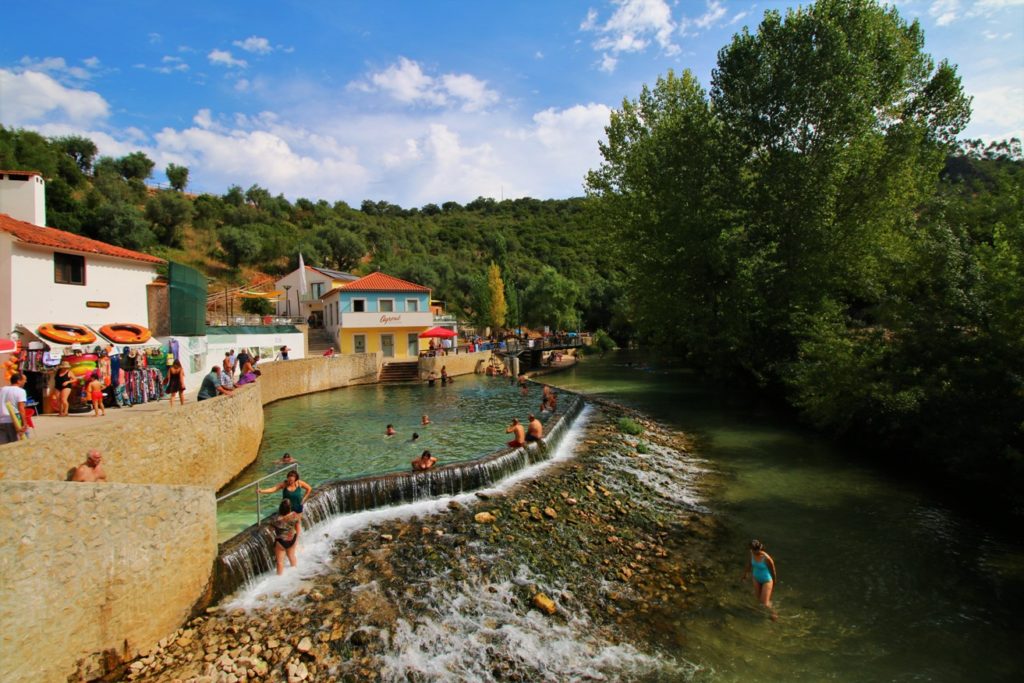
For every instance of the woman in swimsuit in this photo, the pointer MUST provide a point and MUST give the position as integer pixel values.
(176, 382)
(286, 533)
(294, 490)
(63, 383)
(761, 569)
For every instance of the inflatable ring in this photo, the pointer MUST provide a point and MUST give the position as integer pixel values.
(126, 333)
(66, 334)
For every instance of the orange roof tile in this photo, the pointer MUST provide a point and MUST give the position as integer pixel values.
(59, 239)
(380, 282)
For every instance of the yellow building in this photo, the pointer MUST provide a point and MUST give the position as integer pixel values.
(379, 312)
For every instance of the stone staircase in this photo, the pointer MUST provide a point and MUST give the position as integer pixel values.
(319, 341)
(400, 372)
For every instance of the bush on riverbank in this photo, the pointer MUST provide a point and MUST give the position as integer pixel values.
(628, 425)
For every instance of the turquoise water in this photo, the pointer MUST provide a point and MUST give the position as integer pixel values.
(340, 434)
(878, 580)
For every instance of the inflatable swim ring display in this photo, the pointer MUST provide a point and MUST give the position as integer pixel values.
(126, 333)
(82, 366)
(66, 334)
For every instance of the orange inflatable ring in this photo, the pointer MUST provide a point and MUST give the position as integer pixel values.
(66, 334)
(126, 333)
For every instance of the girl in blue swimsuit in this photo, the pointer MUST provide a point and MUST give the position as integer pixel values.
(761, 569)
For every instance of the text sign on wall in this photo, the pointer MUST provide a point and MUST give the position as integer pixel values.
(390, 319)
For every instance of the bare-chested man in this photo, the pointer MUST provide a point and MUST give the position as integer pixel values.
(535, 430)
(91, 469)
(517, 430)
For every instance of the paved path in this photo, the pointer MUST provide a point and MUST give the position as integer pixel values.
(79, 423)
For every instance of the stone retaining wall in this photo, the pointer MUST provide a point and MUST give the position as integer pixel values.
(91, 574)
(203, 443)
(457, 364)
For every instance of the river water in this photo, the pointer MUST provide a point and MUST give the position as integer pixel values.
(878, 580)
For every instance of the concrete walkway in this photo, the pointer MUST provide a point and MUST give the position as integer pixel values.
(81, 423)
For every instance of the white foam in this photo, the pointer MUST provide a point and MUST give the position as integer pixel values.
(469, 632)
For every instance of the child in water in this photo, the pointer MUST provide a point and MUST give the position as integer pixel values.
(761, 569)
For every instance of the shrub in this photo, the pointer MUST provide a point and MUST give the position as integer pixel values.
(630, 426)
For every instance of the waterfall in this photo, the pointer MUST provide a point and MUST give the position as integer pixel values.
(251, 553)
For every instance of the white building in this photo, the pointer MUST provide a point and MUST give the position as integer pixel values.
(53, 276)
(319, 281)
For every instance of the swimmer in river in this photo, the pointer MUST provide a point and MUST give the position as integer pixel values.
(415, 438)
(286, 459)
(424, 462)
(425, 420)
(761, 569)
(390, 431)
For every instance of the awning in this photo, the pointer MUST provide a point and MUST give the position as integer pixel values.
(7, 345)
(438, 332)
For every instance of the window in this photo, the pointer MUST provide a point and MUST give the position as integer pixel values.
(386, 305)
(358, 305)
(412, 305)
(318, 289)
(68, 269)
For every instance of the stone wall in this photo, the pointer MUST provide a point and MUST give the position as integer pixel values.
(457, 364)
(96, 573)
(203, 443)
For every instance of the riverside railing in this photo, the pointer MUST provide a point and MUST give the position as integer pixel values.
(259, 507)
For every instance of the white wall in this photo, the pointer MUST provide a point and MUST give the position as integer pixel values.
(6, 285)
(23, 199)
(300, 303)
(37, 299)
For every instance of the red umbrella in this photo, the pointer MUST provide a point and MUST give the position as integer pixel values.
(442, 332)
(6, 346)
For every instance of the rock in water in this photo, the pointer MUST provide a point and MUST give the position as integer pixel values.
(305, 645)
(544, 603)
(484, 518)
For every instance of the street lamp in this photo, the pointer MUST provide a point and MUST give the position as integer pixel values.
(287, 301)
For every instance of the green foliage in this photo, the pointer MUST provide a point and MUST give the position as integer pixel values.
(135, 166)
(257, 306)
(177, 176)
(630, 426)
(169, 212)
(642, 448)
(808, 226)
(497, 307)
(602, 342)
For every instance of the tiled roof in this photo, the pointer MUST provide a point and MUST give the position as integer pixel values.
(379, 282)
(60, 240)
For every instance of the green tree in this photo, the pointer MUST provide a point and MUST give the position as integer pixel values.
(135, 166)
(177, 176)
(81, 150)
(551, 300)
(169, 212)
(119, 224)
(257, 306)
(497, 307)
(344, 249)
(240, 246)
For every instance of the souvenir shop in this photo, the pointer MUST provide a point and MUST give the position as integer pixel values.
(131, 373)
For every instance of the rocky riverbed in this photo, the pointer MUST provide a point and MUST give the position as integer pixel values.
(567, 576)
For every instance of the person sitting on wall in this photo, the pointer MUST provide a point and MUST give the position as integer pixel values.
(535, 431)
(91, 470)
(248, 376)
(212, 387)
(518, 432)
(329, 352)
(283, 353)
(424, 462)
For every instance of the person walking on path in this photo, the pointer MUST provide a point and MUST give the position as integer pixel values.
(91, 470)
(286, 533)
(761, 569)
(13, 398)
(292, 489)
(176, 382)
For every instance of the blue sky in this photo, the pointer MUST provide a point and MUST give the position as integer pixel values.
(409, 102)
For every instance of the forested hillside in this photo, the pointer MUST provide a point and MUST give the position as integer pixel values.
(556, 269)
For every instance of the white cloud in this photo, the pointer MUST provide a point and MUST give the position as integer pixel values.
(998, 106)
(59, 67)
(242, 85)
(632, 27)
(714, 14)
(92, 62)
(473, 92)
(991, 35)
(155, 38)
(256, 44)
(225, 58)
(36, 98)
(738, 18)
(944, 12)
(203, 118)
(406, 82)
